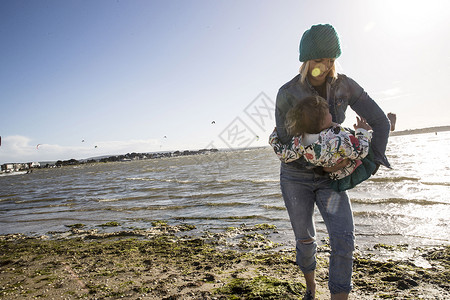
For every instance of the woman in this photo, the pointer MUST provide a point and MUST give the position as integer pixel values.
(302, 185)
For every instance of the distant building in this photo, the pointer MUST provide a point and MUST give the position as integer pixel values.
(35, 165)
(14, 167)
(7, 167)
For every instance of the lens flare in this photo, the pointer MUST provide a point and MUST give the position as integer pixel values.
(318, 70)
(315, 72)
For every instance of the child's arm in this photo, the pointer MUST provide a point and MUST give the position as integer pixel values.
(360, 146)
(285, 152)
(361, 149)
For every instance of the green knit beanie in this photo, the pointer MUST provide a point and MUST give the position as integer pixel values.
(320, 41)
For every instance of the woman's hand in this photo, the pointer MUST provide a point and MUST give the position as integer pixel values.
(361, 123)
(337, 166)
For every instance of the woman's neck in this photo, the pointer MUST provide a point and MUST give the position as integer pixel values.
(321, 90)
(316, 81)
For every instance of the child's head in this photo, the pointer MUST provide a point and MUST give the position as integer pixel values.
(310, 115)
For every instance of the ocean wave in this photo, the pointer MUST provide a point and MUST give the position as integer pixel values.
(277, 195)
(7, 196)
(207, 182)
(35, 208)
(385, 215)
(46, 212)
(109, 200)
(165, 180)
(141, 178)
(397, 201)
(393, 179)
(178, 207)
(150, 189)
(173, 195)
(42, 220)
(67, 188)
(132, 198)
(152, 170)
(255, 181)
(6, 199)
(273, 207)
(108, 208)
(39, 200)
(370, 214)
(151, 207)
(212, 195)
(253, 217)
(436, 183)
(227, 204)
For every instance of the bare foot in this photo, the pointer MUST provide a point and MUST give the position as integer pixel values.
(393, 119)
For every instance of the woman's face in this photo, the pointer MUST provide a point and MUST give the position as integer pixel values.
(319, 69)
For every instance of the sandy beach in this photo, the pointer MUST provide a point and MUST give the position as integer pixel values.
(166, 262)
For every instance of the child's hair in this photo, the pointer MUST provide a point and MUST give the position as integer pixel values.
(307, 116)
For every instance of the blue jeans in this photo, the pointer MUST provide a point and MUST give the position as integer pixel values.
(301, 189)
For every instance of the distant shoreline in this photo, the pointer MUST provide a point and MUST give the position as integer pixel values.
(12, 167)
(421, 130)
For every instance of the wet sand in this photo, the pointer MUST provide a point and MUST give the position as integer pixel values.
(166, 262)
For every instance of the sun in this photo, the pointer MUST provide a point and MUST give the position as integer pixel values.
(410, 16)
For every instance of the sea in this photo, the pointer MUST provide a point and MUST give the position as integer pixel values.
(408, 204)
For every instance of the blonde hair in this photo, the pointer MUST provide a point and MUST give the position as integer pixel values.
(304, 68)
(306, 116)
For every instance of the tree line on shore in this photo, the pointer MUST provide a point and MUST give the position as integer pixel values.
(131, 156)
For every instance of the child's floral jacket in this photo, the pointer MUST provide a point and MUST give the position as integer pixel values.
(332, 146)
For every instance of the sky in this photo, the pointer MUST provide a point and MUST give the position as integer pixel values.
(82, 79)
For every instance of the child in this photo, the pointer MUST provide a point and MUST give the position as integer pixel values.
(324, 143)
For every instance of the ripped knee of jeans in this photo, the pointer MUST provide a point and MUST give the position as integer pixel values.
(306, 247)
(306, 241)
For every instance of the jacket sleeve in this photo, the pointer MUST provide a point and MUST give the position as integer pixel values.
(281, 108)
(368, 109)
(285, 152)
